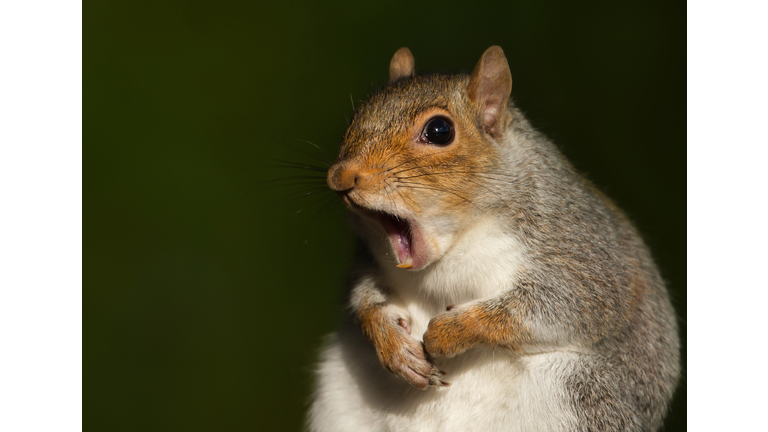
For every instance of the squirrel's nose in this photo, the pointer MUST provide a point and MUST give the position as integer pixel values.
(342, 178)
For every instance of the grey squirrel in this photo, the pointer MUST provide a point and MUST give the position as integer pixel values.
(499, 290)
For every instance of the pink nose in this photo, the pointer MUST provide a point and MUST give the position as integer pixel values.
(342, 178)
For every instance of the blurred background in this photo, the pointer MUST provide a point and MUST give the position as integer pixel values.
(209, 283)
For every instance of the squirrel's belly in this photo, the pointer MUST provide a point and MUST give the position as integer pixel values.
(490, 391)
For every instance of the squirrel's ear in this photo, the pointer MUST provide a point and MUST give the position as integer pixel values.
(401, 65)
(490, 86)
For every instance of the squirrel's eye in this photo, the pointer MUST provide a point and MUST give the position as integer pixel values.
(439, 130)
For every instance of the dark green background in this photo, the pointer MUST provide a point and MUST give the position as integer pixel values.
(206, 298)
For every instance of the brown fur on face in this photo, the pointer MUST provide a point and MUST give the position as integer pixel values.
(382, 150)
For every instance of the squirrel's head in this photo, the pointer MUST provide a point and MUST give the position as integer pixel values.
(417, 155)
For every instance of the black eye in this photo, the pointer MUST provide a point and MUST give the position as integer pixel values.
(438, 130)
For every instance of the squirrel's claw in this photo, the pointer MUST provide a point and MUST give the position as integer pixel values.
(435, 378)
(406, 357)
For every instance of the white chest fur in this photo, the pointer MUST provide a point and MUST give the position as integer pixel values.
(483, 262)
(491, 389)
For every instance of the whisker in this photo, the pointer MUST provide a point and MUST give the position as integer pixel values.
(402, 198)
(481, 167)
(311, 178)
(321, 199)
(269, 184)
(293, 165)
(315, 146)
(479, 173)
(289, 188)
(296, 188)
(324, 207)
(444, 191)
(322, 160)
(412, 160)
(384, 162)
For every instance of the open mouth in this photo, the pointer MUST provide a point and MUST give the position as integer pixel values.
(400, 235)
(403, 235)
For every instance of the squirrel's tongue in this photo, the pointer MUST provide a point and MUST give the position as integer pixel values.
(399, 235)
(402, 245)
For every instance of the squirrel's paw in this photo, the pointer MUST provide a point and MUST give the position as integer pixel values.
(405, 357)
(452, 332)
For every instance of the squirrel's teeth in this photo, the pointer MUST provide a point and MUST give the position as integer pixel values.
(407, 263)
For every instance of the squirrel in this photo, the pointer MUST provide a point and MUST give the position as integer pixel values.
(498, 289)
